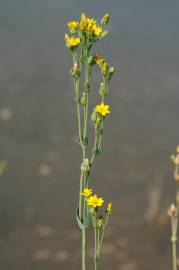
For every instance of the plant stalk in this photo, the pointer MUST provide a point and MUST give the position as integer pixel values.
(83, 249)
(95, 248)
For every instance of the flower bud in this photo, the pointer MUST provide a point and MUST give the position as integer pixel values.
(111, 72)
(102, 89)
(176, 160)
(109, 208)
(172, 211)
(105, 19)
(74, 72)
(99, 222)
(94, 115)
(84, 99)
(85, 166)
(176, 176)
(104, 33)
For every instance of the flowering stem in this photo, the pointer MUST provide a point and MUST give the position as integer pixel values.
(84, 156)
(174, 240)
(89, 32)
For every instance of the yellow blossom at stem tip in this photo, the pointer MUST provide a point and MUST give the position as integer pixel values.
(109, 208)
(94, 201)
(102, 63)
(73, 26)
(89, 25)
(72, 42)
(96, 30)
(86, 192)
(102, 109)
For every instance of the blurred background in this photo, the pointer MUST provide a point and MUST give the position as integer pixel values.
(38, 134)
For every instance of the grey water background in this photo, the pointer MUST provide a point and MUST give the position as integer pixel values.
(38, 134)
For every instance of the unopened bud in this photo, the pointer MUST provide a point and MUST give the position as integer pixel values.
(109, 208)
(104, 33)
(99, 222)
(84, 99)
(94, 115)
(111, 72)
(85, 166)
(102, 89)
(176, 176)
(176, 161)
(172, 211)
(74, 72)
(105, 19)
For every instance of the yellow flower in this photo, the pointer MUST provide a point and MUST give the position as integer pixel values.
(109, 208)
(102, 63)
(102, 109)
(73, 26)
(96, 30)
(71, 42)
(94, 201)
(86, 192)
(86, 24)
(83, 17)
(83, 22)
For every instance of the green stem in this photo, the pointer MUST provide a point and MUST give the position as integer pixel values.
(84, 156)
(86, 85)
(173, 240)
(95, 248)
(100, 243)
(77, 95)
(84, 202)
(83, 249)
(174, 255)
(98, 233)
(80, 197)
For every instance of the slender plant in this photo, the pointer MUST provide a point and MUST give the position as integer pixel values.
(84, 34)
(174, 209)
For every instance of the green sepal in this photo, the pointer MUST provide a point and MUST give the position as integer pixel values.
(85, 141)
(96, 258)
(86, 87)
(83, 224)
(96, 151)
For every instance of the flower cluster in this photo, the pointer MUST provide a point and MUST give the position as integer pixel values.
(85, 28)
(89, 26)
(94, 201)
